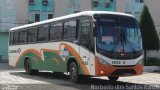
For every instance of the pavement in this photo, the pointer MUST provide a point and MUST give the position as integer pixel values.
(16, 79)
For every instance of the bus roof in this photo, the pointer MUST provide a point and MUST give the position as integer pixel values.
(87, 13)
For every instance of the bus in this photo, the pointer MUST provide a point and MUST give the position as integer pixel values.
(88, 43)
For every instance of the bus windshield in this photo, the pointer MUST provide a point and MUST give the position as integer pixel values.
(119, 34)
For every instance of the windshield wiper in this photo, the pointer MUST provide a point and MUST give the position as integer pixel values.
(124, 39)
(117, 41)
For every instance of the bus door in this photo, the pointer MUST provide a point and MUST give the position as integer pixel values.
(84, 43)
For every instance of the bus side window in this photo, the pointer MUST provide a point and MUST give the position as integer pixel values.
(56, 31)
(32, 34)
(70, 29)
(23, 36)
(11, 38)
(16, 37)
(43, 33)
(85, 34)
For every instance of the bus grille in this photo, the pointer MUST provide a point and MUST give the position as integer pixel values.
(124, 71)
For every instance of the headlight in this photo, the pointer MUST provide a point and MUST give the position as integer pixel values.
(140, 62)
(104, 62)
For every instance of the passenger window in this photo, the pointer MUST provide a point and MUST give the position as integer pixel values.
(16, 37)
(56, 31)
(11, 38)
(70, 30)
(43, 33)
(85, 32)
(32, 34)
(23, 36)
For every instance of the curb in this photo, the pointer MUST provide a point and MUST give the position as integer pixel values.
(151, 68)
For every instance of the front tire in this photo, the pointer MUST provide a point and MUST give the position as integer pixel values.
(113, 78)
(74, 75)
(28, 68)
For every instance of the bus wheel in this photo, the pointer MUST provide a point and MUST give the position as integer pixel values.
(73, 72)
(28, 68)
(113, 78)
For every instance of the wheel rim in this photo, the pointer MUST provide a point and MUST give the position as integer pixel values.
(73, 73)
(27, 66)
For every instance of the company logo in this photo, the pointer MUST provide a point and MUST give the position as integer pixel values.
(15, 51)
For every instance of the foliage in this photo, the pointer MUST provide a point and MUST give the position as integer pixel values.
(149, 34)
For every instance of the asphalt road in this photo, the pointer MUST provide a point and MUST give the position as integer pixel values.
(16, 79)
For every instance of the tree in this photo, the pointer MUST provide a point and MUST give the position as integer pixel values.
(149, 34)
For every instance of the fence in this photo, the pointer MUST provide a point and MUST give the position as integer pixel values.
(153, 54)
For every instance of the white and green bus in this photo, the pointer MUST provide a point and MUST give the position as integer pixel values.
(89, 43)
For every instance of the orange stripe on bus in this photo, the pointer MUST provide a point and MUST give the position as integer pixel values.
(54, 51)
(56, 60)
(49, 50)
(97, 66)
(76, 55)
(29, 51)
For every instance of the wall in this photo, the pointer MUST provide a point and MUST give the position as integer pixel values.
(7, 15)
(60, 8)
(4, 46)
(64, 7)
(120, 6)
(130, 7)
(85, 5)
(39, 8)
(21, 11)
(7, 20)
(101, 6)
(73, 5)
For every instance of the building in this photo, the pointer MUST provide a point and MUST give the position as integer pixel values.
(64, 7)
(133, 7)
(73, 6)
(10, 16)
(6, 21)
(104, 5)
(40, 10)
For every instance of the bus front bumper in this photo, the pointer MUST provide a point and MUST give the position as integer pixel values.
(119, 71)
